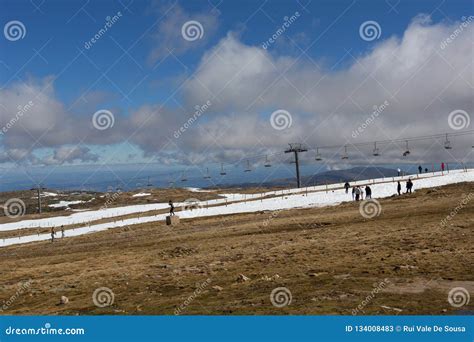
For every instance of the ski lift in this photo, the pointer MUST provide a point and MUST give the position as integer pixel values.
(447, 143)
(267, 162)
(345, 155)
(183, 178)
(376, 150)
(223, 173)
(318, 155)
(207, 176)
(407, 150)
(248, 169)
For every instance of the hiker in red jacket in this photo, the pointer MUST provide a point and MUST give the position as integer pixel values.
(442, 166)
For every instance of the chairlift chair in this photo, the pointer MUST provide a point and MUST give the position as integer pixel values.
(407, 150)
(207, 176)
(223, 173)
(318, 155)
(376, 150)
(447, 143)
(345, 155)
(248, 169)
(267, 162)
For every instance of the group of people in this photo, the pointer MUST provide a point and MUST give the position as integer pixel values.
(420, 169)
(53, 232)
(358, 192)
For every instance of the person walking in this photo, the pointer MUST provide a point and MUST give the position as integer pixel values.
(347, 186)
(442, 167)
(62, 231)
(368, 192)
(426, 170)
(409, 185)
(399, 171)
(399, 188)
(353, 192)
(357, 193)
(171, 208)
(420, 169)
(53, 232)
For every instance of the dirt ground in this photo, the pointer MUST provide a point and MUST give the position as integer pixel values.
(331, 260)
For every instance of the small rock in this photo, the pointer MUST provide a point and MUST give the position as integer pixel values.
(218, 288)
(64, 300)
(242, 278)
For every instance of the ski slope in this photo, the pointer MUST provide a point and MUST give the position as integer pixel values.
(237, 203)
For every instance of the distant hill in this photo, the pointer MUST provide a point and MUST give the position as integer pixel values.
(333, 176)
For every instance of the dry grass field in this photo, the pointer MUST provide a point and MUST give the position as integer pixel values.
(329, 259)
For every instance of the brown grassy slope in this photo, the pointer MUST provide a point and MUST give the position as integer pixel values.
(329, 258)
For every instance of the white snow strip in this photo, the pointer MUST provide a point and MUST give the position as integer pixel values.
(301, 200)
(62, 204)
(141, 194)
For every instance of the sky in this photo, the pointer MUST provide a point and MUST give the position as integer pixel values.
(184, 84)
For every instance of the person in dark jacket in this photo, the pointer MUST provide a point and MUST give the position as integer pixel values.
(171, 208)
(399, 188)
(353, 192)
(426, 170)
(409, 185)
(53, 233)
(420, 169)
(347, 186)
(368, 192)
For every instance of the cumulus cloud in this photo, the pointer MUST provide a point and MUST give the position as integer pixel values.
(69, 154)
(421, 82)
(416, 80)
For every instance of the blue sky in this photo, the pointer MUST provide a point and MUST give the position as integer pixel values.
(141, 70)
